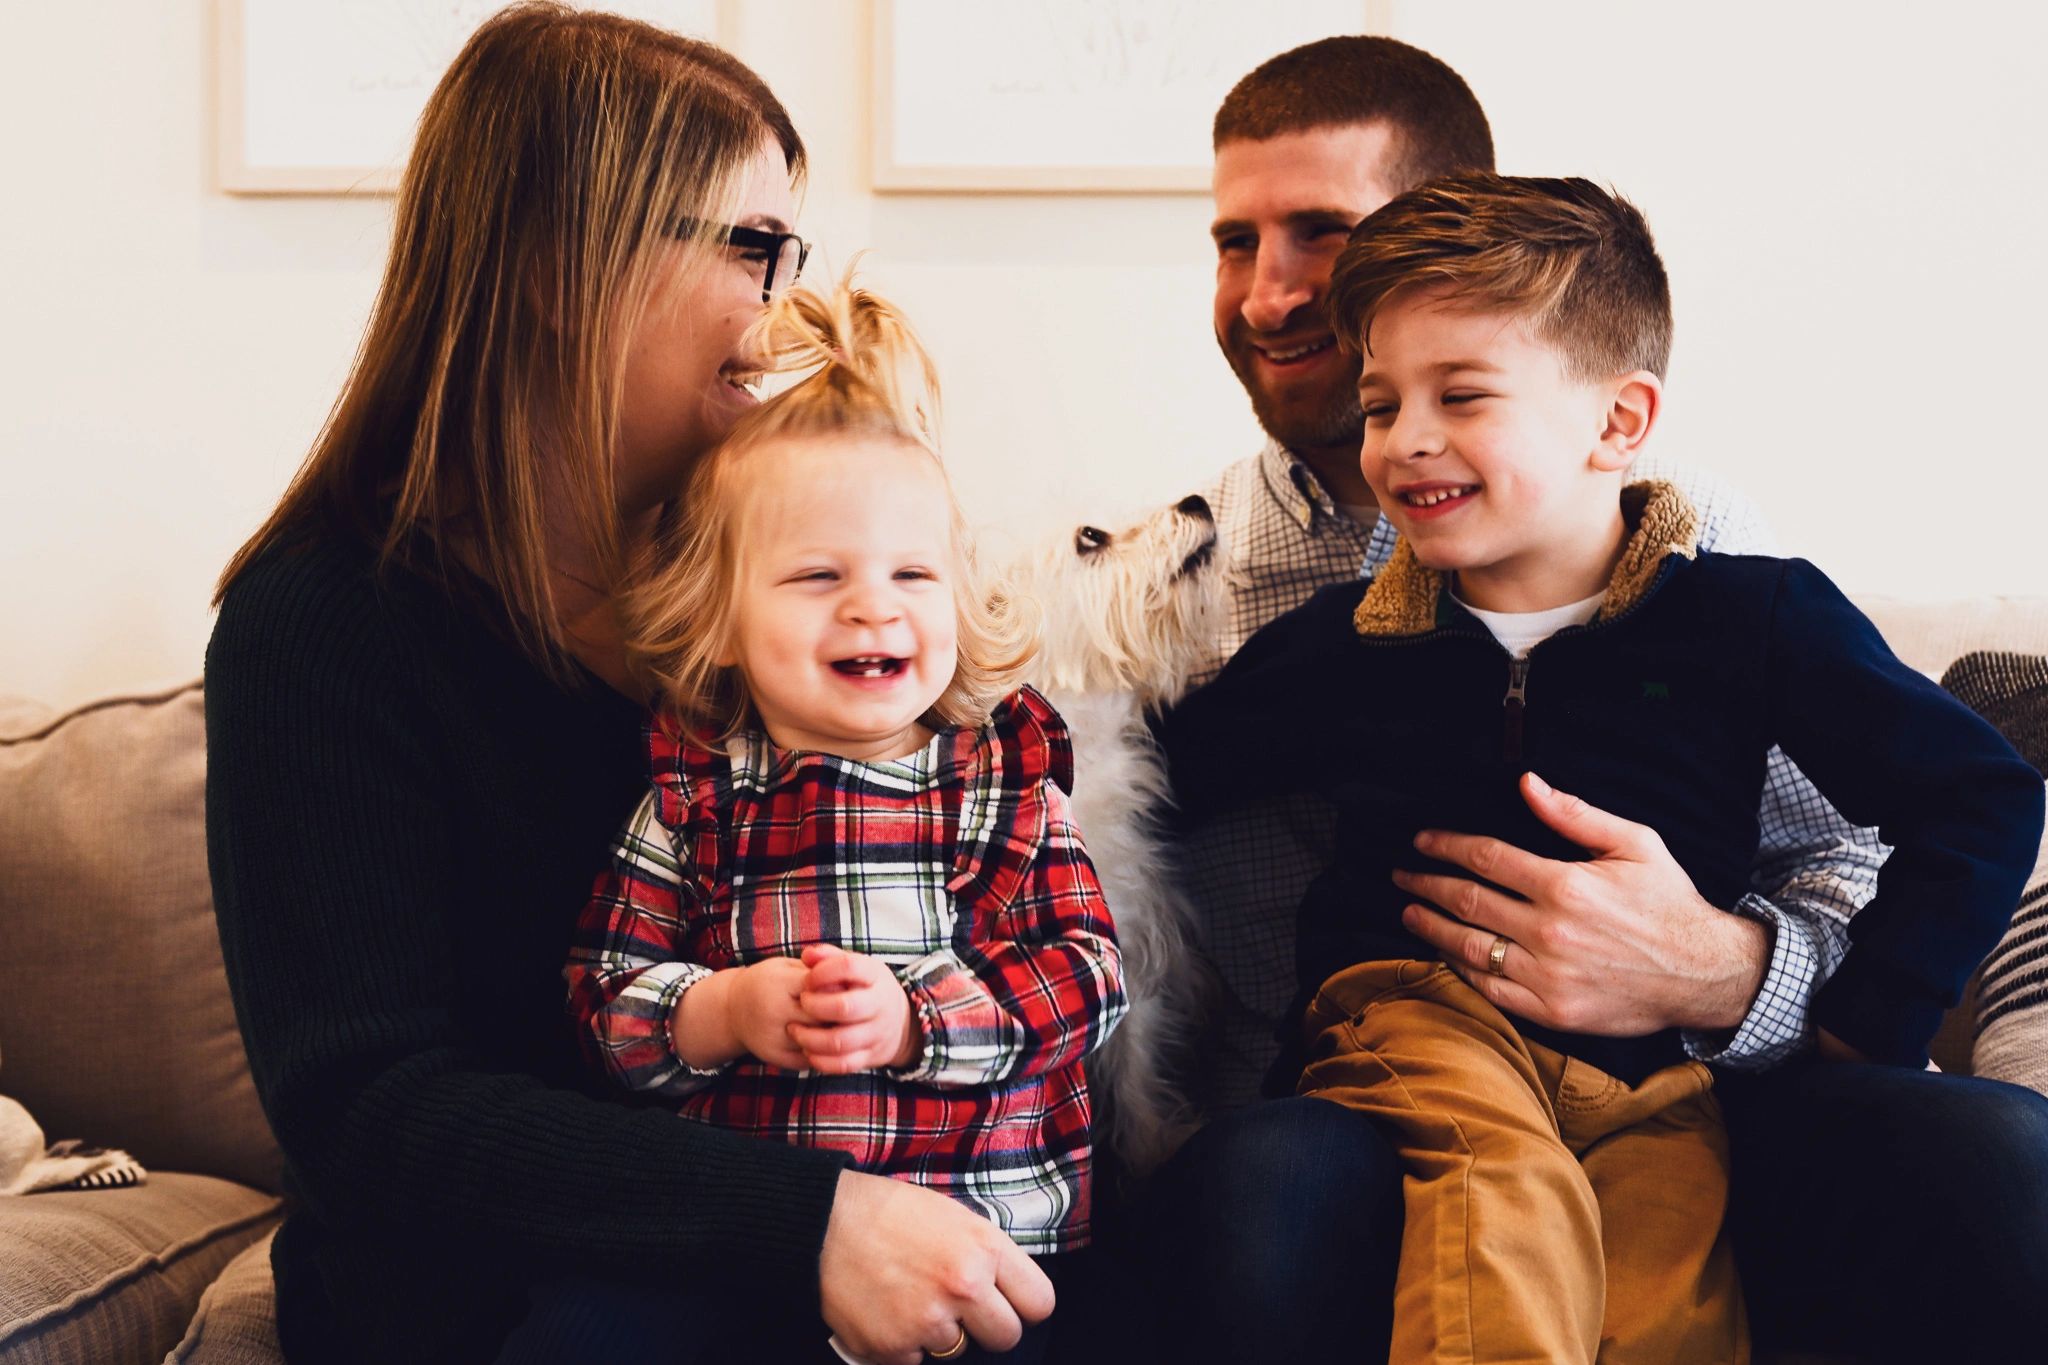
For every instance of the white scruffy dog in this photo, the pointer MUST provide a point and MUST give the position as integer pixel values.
(1128, 615)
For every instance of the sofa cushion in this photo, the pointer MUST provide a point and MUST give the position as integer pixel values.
(114, 1005)
(237, 1319)
(1930, 635)
(103, 1277)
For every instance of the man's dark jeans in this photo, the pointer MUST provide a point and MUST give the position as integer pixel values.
(1272, 1236)
(1890, 1214)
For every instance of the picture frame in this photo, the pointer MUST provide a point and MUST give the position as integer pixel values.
(1071, 96)
(322, 98)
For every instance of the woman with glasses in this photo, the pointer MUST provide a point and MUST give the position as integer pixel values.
(422, 736)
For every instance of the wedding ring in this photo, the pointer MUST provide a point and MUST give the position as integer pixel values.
(956, 1350)
(1497, 956)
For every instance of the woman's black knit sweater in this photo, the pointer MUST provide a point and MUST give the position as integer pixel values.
(404, 816)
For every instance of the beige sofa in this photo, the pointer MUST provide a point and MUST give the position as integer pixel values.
(116, 1027)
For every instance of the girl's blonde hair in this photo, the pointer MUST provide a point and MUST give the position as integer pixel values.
(554, 165)
(871, 377)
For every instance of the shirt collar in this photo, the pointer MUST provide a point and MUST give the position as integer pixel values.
(1379, 547)
(1024, 743)
(759, 763)
(1294, 486)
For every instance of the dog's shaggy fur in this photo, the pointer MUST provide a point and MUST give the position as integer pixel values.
(1128, 615)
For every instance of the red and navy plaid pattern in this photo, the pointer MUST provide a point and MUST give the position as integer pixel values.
(960, 867)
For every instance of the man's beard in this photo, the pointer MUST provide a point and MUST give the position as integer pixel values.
(1306, 423)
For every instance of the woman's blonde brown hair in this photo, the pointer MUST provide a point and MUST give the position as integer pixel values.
(553, 164)
(870, 378)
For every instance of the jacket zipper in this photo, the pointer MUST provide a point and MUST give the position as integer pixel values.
(1512, 706)
(1515, 704)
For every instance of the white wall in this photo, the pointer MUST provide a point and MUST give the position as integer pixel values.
(1850, 198)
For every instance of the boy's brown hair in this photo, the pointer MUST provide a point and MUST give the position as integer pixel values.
(1574, 261)
(1364, 79)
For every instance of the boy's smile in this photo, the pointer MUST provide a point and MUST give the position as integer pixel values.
(1432, 499)
(846, 626)
(1494, 462)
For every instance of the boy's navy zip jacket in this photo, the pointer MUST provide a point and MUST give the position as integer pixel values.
(1395, 703)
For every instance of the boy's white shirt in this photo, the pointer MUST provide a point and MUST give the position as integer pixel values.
(1521, 631)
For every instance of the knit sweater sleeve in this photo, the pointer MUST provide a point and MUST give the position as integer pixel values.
(345, 931)
(1961, 810)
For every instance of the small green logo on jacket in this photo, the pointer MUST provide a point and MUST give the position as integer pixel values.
(1656, 691)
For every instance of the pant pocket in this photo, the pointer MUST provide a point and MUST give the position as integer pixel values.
(1352, 991)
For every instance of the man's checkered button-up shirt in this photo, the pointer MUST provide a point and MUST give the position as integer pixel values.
(960, 867)
(1284, 538)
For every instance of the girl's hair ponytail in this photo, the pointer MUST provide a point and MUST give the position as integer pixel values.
(870, 373)
(869, 377)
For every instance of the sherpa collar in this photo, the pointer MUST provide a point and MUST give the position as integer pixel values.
(1404, 598)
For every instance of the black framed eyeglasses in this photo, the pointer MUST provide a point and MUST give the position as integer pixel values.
(781, 255)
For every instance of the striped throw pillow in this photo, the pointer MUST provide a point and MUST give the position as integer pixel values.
(2011, 691)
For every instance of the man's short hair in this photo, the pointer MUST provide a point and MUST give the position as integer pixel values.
(1572, 260)
(1365, 79)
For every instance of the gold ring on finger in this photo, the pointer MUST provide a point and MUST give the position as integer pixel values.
(1497, 956)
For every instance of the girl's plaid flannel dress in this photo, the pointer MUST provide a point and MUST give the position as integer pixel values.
(960, 867)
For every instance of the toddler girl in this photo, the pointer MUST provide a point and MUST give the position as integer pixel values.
(852, 910)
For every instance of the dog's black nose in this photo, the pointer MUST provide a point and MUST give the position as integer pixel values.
(1195, 505)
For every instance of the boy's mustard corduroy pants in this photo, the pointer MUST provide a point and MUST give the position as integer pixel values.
(1553, 1213)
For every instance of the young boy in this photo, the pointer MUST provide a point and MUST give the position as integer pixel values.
(1565, 1192)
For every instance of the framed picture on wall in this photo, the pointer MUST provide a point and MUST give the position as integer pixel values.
(1072, 95)
(322, 98)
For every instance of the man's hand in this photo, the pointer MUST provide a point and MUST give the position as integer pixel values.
(904, 1271)
(1619, 946)
(856, 1016)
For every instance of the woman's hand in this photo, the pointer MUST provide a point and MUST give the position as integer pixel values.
(904, 1271)
(857, 1015)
